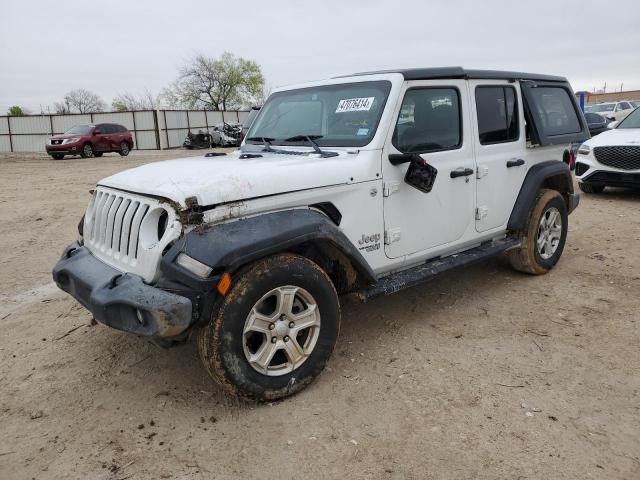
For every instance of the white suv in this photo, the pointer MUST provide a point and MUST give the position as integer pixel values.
(615, 111)
(363, 184)
(611, 158)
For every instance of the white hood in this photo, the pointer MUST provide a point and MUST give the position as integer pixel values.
(616, 136)
(215, 180)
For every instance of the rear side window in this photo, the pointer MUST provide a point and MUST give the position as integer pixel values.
(429, 121)
(497, 111)
(555, 110)
(119, 128)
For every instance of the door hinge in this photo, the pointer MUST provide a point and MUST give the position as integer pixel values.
(481, 212)
(392, 235)
(482, 171)
(390, 187)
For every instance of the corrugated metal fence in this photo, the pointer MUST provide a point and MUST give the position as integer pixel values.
(152, 129)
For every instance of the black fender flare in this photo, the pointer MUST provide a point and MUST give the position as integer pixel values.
(552, 173)
(228, 246)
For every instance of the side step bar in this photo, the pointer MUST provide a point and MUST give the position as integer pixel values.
(413, 276)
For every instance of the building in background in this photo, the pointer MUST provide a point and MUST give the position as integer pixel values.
(593, 98)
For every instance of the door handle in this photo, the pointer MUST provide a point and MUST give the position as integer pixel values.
(461, 172)
(515, 163)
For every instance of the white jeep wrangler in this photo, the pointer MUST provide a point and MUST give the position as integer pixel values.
(363, 184)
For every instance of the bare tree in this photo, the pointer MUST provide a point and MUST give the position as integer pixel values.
(216, 84)
(128, 101)
(80, 101)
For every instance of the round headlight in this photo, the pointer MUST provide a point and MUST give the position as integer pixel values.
(153, 227)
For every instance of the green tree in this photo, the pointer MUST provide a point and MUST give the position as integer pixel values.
(16, 111)
(228, 82)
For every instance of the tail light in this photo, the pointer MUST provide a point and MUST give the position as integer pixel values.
(569, 157)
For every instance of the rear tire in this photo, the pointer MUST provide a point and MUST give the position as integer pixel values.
(57, 156)
(590, 188)
(544, 236)
(124, 149)
(87, 151)
(274, 330)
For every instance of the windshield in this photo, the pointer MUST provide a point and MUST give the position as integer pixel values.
(342, 115)
(632, 120)
(605, 107)
(81, 129)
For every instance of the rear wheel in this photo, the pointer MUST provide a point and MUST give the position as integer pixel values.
(57, 156)
(87, 151)
(590, 188)
(124, 149)
(544, 236)
(274, 330)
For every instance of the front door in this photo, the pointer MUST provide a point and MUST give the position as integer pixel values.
(500, 142)
(433, 122)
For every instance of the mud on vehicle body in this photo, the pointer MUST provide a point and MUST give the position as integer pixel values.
(365, 185)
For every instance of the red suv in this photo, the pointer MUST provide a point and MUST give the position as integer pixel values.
(91, 140)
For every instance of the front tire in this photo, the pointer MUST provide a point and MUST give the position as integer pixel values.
(590, 188)
(97, 154)
(87, 151)
(544, 236)
(124, 149)
(57, 156)
(274, 330)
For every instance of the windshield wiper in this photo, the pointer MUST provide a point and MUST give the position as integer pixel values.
(266, 141)
(311, 139)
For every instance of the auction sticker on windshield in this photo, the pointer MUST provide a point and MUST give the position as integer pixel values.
(355, 104)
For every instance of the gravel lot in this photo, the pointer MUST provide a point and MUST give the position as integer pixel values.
(482, 373)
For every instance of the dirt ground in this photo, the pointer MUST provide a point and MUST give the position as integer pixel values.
(482, 373)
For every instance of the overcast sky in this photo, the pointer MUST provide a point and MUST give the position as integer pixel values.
(50, 47)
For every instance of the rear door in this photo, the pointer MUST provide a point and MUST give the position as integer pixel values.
(433, 122)
(552, 113)
(500, 145)
(114, 136)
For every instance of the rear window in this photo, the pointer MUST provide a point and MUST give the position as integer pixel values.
(497, 112)
(605, 107)
(593, 118)
(555, 111)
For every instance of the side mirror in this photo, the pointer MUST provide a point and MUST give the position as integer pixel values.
(96, 132)
(420, 174)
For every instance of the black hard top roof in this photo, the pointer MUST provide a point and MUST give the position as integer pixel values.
(459, 72)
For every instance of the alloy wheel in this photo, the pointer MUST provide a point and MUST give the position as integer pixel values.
(549, 233)
(281, 330)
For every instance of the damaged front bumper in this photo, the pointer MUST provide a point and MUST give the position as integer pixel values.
(121, 300)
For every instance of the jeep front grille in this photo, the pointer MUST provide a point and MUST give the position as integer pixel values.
(121, 229)
(624, 157)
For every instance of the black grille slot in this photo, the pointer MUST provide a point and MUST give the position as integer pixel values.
(624, 157)
(581, 168)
